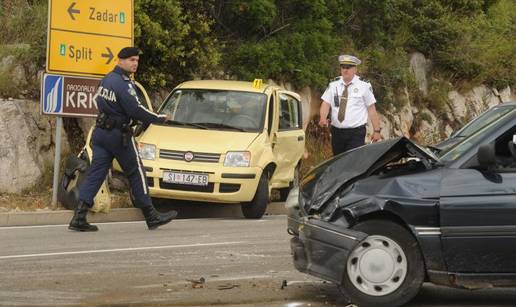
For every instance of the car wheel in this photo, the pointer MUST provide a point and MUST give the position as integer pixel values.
(294, 183)
(386, 268)
(256, 207)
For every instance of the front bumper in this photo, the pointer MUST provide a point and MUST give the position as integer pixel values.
(321, 248)
(225, 184)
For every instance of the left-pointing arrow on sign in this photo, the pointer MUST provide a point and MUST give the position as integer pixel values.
(72, 11)
(108, 55)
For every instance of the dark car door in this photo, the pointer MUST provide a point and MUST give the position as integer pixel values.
(478, 221)
(478, 213)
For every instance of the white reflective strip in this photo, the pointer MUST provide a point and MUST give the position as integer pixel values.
(152, 113)
(428, 233)
(140, 167)
(428, 230)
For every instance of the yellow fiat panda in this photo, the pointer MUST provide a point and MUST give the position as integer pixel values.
(226, 142)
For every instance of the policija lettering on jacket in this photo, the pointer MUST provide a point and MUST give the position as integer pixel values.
(119, 107)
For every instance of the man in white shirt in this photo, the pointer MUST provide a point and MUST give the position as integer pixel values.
(352, 103)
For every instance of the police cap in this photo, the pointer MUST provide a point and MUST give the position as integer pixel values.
(128, 52)
(347, 59)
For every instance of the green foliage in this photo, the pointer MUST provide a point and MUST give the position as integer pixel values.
(250, 17)
(295, 41)
(437, 98)
(176, 39)
(388, 70)
(22, 46)
(424, 116)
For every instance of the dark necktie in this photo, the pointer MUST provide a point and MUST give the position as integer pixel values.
(343, 103)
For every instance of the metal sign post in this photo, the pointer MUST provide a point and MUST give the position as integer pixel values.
(57, 160)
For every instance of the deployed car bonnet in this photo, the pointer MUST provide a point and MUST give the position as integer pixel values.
(358, 163)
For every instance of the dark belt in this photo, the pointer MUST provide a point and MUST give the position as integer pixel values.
(359, 127)
(108, 122)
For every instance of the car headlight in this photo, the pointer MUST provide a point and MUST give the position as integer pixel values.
(237, 159)
(147, 151)
(293, 198)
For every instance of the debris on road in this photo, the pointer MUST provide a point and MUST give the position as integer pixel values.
(227, 286)
(197, 283)
(283, 284)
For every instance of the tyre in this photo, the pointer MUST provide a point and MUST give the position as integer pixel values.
(294, 183)
(256, 207)
(386, 269)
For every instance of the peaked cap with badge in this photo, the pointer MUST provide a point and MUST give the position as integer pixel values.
(347, 59)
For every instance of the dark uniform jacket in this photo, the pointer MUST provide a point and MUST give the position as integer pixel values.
(117, 98)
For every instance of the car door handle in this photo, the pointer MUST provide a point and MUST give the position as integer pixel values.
(300, 138)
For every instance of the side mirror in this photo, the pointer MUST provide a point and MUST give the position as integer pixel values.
(486, 156)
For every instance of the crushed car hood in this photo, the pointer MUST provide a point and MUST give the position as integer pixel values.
(325, 180)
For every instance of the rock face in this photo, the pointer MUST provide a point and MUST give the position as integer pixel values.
(28, 144)
(420, 67)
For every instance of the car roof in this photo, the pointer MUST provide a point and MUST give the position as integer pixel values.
(231, 86)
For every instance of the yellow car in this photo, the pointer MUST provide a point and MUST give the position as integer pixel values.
(225, 142)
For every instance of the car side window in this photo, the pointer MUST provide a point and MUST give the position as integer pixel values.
(505, 159)
(289, 113)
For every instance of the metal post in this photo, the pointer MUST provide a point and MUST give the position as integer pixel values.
(57, 161)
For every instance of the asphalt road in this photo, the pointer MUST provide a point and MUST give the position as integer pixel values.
(242, 262)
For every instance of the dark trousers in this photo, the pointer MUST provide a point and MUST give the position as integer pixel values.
(106, 146)
(344, 139)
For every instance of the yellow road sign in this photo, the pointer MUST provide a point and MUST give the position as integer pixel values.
(85, 36)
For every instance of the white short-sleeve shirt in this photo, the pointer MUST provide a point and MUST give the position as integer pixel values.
(360, 96)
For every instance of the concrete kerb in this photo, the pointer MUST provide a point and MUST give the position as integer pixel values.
(58, 217)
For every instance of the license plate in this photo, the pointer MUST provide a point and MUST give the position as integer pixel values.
(185, 178)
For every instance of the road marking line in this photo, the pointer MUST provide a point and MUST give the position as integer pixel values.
(129, 249)
(104, 223)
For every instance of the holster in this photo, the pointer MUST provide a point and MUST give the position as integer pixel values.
(127, 134)
(105, 122)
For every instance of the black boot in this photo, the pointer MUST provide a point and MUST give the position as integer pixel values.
(78, 222)
(155, 219)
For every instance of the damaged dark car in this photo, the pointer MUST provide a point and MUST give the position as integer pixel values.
(381, 219)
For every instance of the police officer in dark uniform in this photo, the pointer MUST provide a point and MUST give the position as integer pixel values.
(112, 137)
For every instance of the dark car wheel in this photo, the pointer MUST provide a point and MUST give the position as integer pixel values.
(386, 268)
(256, 207)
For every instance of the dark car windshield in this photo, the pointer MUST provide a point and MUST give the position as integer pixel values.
(216, 109)
(483, 120)
(473, 140)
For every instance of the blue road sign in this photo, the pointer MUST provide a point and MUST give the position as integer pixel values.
(52, 94)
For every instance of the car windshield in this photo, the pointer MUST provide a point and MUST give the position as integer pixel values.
(465, 145)
(216, 109)
(483, 120)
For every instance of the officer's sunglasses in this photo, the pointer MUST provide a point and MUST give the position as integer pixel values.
(344, 66)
